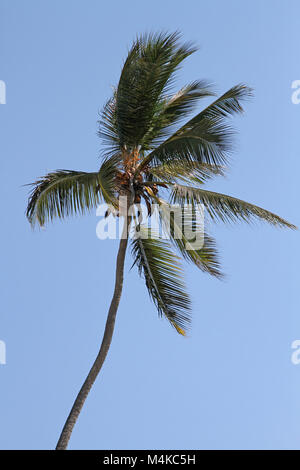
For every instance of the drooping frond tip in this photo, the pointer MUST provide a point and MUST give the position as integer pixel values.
(164, 278)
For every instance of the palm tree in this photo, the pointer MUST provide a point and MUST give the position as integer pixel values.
(149, 154)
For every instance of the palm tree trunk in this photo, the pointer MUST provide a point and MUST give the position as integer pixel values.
(106, 341)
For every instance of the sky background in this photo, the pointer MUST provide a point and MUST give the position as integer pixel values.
(229, 385)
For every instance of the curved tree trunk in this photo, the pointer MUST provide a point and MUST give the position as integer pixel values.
(107, 337)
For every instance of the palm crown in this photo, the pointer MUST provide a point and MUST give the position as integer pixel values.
(149, 153)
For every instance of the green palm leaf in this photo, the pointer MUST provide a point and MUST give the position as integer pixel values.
(146, 75)
(65, 192)
(164, 278)
(205, 258)
(171, 110)
(193, 171)
(108, 130)
(225, 208)
(206, 138)
(184, 101)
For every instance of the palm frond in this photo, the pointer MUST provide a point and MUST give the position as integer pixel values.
(225, 208)
(65, 192)
(108, 130)
(206, 257)
(171, 110)
(146, 76)
(185, 99)
(164, 278)
(207, 137)
(175, 170)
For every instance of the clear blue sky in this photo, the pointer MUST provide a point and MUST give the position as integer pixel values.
(231, 384)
